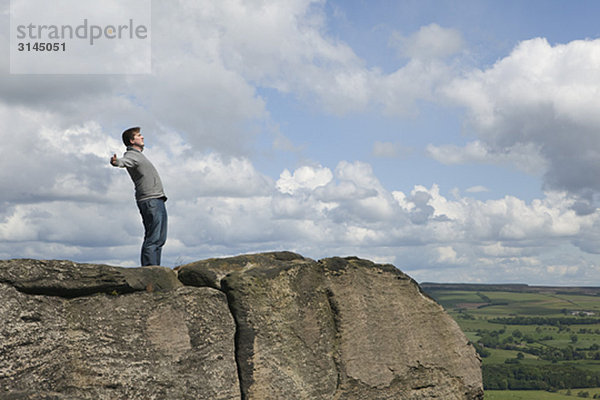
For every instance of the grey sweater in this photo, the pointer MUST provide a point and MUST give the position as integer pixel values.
(143, 174)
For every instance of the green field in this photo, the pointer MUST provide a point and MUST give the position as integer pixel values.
(540, 395)
(530, 337)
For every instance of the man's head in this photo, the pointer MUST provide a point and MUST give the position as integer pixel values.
(133, 137)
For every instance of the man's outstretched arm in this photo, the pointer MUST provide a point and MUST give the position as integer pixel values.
(123, 161)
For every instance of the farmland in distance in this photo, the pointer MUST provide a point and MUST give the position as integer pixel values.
(537, 342)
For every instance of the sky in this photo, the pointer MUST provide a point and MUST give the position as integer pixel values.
(457, 140)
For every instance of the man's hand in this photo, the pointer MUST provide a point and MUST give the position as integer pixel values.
(113, 160)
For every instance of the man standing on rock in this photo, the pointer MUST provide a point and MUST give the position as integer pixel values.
(149, 195)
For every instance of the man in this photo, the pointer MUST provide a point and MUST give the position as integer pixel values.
(149, 195)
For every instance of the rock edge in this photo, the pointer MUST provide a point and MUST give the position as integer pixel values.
(338, 328)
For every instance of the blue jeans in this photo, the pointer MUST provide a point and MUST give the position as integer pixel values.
(154, 216)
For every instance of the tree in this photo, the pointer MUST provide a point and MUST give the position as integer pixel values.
(517, 333)
(574, 338)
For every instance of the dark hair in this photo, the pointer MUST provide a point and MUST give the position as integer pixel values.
(129, 134)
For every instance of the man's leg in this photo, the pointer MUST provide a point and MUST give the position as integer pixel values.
(162, 237)
(154, 216)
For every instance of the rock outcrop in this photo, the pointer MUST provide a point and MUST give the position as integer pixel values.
(100, 332)
(253, 327)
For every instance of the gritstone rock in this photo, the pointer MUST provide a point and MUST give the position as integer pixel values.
(252, 327)
(340, 328)
(160, 340)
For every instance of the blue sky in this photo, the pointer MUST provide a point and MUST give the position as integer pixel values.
(457, 140)
(491, 29)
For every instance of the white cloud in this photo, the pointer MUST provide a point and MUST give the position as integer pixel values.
(205, 90)
(429, 42)
(196, 175)
(305, 177)
(42, 160)
(499, 249)
(537, 103)
(446, 255)
(477, 189)
(522, 156)
(293, 37)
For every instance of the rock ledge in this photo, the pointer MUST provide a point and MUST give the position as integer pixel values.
(258, 326)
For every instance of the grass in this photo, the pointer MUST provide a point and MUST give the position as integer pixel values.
(537, 394)
(473, 310)
(511, 303)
